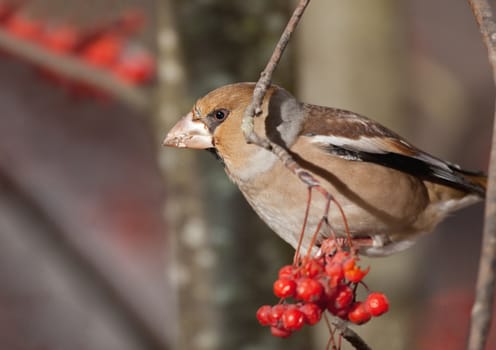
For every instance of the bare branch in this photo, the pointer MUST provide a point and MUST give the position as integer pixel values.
(263, 83)
(351, 336)
(486, 280)
(255, 108)
(75, 69)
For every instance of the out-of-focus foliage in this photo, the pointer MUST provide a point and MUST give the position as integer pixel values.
(227, 41)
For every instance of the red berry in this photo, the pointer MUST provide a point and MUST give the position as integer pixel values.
(359, 313)
(340, 257)
(311, 268)
(330, 286)
(276, 313)
(377, 304)
(349, 264)
(312, 313)
(344, 297)
(308, 289)
(335, 271)
(341, 313)
(355, 275)
(284, 288)
(286, 272)
(264, 315)
(280, 332)
(333, 283)
(293, 319)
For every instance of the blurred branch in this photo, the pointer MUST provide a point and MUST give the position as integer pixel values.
(73, 68)
(51, 232)
(486, 279)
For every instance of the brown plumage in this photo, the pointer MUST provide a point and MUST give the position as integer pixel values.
(390, 190)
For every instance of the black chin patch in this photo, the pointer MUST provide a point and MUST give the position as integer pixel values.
(213, 151)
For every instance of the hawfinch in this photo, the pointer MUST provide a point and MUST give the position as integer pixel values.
(390, 191)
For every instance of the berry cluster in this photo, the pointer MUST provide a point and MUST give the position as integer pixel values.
(107, 46)
(326, 283)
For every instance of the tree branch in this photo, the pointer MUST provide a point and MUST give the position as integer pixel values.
(486, 279)
(351, 336)
(255, 107)
(73, 68)
(85, 266)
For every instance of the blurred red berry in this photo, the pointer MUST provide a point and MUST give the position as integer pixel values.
(279, 332)
(132, 20)
(359, 313)
(284, 288)
(137, 68)
(103, 51)
(293, 319)
(312, 313)
(308, 289)
(264, 315)
(61, 39)
(24, 27)
(377, 304)
(6, 10)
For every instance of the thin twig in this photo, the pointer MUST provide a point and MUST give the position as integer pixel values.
(74, 69)
(255, 108)
(486, 279)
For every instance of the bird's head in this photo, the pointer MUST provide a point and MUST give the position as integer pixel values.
(215, 123)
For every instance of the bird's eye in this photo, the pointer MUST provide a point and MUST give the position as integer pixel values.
(220, 114)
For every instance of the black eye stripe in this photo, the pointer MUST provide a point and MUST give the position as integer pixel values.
(215, 118)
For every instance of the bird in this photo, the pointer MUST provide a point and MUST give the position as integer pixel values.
(390, 191)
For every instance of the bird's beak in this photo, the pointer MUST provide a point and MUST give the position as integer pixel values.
(189, 133)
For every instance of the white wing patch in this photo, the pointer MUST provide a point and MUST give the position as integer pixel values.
(362, 144)
(376, 145)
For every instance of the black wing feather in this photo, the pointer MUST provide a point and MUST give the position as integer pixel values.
(451, 175)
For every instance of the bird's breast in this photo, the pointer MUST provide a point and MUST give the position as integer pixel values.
(371, 206)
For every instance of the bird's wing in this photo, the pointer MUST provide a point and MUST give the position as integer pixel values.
(356, 138)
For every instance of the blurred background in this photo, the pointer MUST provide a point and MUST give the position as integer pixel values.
(108, 241)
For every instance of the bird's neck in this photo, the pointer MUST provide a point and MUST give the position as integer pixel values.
(243, 173)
